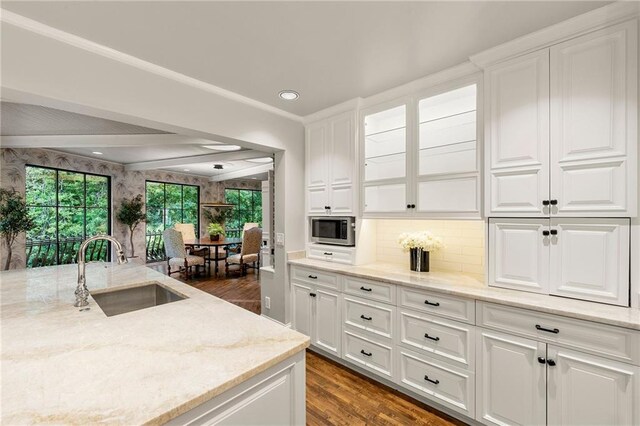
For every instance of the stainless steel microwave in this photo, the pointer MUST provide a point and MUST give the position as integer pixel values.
(334, 230)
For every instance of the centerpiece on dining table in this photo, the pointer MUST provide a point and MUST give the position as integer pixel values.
(419, 245)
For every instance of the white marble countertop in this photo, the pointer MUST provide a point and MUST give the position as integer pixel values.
(466, 286)
(63, 366)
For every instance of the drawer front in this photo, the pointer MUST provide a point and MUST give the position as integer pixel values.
(370, 316)
(373, 290)
(438, 337)
(314, 276)
(371, 355)
(609, 341)
(331, 255)
(450, 386)
(456, 308)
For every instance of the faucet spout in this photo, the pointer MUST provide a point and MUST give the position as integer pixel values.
(82, 293)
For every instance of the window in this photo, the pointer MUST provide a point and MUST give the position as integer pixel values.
(67, 207)
(248, 208)
(167, 204)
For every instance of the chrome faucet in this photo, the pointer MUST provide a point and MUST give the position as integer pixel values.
(82, 293)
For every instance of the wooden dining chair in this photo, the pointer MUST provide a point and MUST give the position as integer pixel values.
(249, 256)
(177, 255)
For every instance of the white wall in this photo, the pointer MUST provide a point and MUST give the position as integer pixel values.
(44, 66)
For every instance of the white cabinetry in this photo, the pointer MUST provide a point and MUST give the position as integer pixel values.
(420, 154)
(317, 310)
(588, 390)
(579, 258)
(511, 387)
(526, 381)
(562, 128)
(330, 164)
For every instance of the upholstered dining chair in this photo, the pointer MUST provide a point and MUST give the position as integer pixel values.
(188, 231)
(177, 255)
(249, 252)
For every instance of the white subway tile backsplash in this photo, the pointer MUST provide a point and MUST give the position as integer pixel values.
(464, 242)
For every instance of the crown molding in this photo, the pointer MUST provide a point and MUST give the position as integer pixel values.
(465, 69)
(596, 19)
(350, 105)
(11, 18)
(89, 141)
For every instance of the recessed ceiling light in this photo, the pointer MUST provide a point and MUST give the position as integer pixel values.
(260, 160)
(223, 147)
(96, 152)
(289, 95)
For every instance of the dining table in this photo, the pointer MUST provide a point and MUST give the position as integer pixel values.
(215, 244)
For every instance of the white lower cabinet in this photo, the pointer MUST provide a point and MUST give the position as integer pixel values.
(316, 313)
(588, 390)
(511, 388)
(446, 384)
(368, 353)
(491, 362)
(527, 382)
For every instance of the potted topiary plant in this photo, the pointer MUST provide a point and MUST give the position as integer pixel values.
(14, 219)
(215, 230)
(131, 213)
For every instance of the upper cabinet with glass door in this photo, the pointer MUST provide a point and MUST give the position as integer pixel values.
(447, 161)
(385, 160)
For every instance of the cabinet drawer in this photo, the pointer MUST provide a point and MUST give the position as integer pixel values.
(444, 339)
(331, 254)
(313, 276)
(439, 381)
(374, 290)
(610, 341)
(365, 315)
(456, 308)
(371, 355)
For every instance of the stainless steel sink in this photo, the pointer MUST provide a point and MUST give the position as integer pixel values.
(120, 301)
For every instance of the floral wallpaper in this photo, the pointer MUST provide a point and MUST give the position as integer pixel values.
(124, 184)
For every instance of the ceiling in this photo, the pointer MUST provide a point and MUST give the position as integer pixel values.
(25, 119)
(330, 52)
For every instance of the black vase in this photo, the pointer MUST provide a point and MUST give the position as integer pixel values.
(419, 260)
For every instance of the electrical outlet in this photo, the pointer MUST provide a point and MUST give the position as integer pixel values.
(280, 239)
(267, 303)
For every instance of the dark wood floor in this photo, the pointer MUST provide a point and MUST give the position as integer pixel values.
(334, 393)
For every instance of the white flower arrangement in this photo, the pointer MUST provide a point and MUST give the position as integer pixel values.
(421, 240)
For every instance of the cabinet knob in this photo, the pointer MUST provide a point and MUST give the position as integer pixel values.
(408, 206)
(545, 233)
(545, 202)
(554, 232)
(312, 294)
(542, 360)
(551, 363)
(553, 202)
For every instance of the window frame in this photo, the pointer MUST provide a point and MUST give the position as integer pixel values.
(57, 206)
(164, 203)
(255, 192)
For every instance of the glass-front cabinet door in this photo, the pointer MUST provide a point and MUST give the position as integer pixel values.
(447, 158)
(385, 159)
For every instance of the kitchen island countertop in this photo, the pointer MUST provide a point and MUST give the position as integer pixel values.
(61, 365)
